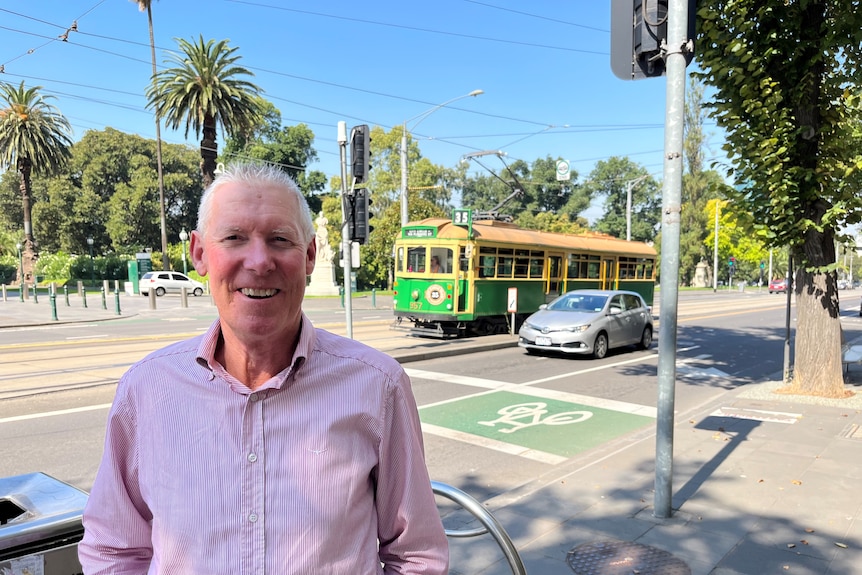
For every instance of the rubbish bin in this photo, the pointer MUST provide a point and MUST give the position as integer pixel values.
(40, 525)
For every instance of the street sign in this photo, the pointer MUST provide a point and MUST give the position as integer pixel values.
(563, 174)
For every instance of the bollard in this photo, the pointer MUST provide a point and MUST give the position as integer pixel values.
(373, 298)
(151, 295)
(66, 293)
(104, 301)
(117, 300)
(184, 297)
(4, 292)
(35, 293)
(53, 298)
(84, 297)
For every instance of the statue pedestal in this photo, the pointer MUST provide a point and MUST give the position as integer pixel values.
(322, 279)
(702, 275)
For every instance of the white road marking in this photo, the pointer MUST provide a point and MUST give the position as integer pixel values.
(56, 413)
(533, 454)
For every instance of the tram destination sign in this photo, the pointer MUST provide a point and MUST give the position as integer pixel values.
(419, 233)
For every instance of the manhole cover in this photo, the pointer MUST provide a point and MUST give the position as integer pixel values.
(623, 558)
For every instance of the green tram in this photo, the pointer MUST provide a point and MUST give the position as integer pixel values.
(477, 263)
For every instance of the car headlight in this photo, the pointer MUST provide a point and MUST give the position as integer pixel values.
(578, 328)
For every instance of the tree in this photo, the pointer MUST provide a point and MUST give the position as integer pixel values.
(205, 90)
(290, 147)
(698, 187)
(34, 137)
(147, 5)
(610, 179)
(785, 77)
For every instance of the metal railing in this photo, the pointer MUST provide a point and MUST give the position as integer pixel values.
(488, 521)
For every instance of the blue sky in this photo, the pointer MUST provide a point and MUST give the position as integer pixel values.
(543, 66)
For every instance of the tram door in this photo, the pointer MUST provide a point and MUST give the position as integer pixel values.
(555, 275)
(609, 274)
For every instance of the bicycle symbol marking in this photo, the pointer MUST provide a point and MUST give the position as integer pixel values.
(523, 415)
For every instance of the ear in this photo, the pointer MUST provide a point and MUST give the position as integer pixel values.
(310, 256)
(196, 247)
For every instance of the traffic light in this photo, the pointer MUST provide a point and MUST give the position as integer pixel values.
(360, 153)
(358, 215)
(638, 31)
(731, 264)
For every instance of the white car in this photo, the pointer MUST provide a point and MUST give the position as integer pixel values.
(173, 282)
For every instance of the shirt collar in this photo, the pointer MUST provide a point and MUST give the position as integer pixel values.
(304, 347)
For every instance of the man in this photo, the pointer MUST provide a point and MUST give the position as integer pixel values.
(265, 445)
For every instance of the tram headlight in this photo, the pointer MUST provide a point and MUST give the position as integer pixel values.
(415, 295)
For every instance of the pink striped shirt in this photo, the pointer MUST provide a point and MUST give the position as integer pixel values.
(321, 470)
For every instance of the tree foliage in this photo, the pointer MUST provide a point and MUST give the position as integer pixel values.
(611, 180)
(785, 76)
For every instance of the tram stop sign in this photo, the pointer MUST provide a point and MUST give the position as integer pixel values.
(563, 174)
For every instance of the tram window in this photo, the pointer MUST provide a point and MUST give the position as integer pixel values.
(399, 260)
(444, 259)
(416, 259)
(537, 266)
(593, 269)
(486, 266)
(463, 260)
(504, 267)
(522, 267)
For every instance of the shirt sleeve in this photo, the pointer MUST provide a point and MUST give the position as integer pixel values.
(412, 540)
(117, 522)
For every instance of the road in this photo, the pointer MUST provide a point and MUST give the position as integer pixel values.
(493, 420)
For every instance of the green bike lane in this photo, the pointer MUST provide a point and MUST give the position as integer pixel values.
(536, 423)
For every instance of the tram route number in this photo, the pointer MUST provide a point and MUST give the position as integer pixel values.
(523, 415)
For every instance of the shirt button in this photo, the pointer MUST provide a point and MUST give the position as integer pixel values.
(253, 397)
(252, 517)
(252, 457)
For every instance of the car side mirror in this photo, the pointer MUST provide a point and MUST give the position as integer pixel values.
(615, 310)
(543, 306)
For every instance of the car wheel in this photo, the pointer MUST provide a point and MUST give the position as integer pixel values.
(160, 291)
(600, 347)
(646, 338)
(198, 292)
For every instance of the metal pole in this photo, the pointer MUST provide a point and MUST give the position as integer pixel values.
(670, 232)
(629, 186)
(117, 301)
(345, 231)
(789, 293)
(404, 216)
(715, 249)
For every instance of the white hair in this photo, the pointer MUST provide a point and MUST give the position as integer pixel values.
(253, 174)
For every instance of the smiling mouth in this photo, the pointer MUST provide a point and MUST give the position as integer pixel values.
(258, 293)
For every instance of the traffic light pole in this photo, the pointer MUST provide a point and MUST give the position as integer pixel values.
(345, 232)
(675, 62)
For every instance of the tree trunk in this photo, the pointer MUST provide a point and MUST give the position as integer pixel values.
(817, 367)
(209, 151)
(28, 250)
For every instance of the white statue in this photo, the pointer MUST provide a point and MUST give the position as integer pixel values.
(324, 251)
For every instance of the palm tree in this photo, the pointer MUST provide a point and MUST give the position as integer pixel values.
(203, 91)
(146, 5)
(34, 136)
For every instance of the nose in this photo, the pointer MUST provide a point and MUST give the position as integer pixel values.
(258, 256)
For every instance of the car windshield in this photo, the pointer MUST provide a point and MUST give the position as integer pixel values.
(579, 302)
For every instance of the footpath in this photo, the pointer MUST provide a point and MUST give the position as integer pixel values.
(763, 483)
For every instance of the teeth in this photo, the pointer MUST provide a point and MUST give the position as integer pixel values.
(258, 292)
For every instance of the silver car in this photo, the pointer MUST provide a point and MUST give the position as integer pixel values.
(588, 322)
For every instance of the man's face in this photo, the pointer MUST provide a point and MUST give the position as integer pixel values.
(257, 260)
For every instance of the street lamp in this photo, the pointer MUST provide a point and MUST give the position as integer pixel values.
(21, 272)
(184, 236)
(92, 264)
(419, 118)
(629, 185)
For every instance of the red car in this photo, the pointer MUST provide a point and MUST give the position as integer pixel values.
(778, 286)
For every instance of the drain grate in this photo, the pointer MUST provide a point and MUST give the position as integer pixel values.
(623, 558)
